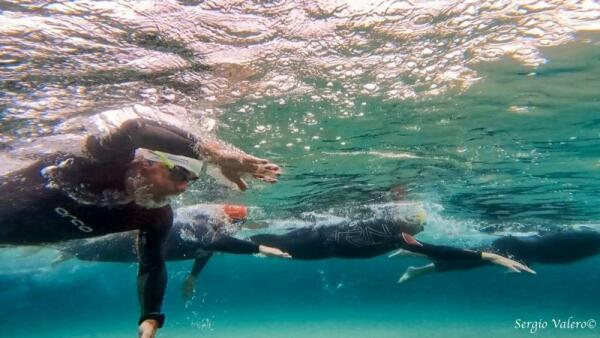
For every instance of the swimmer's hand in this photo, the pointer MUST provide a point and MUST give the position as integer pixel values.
(272, 252)
(148, 328)
(234, 163)
(513, 266)
(189, 287)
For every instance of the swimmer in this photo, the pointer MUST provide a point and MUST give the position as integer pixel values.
(324, 239)
(366, 239)
(553, 248)
(197, 232)
(119, 181)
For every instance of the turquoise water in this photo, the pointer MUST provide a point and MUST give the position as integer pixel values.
(336, 298)
(486, 112)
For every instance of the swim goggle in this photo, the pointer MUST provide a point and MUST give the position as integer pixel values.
(181, 168)
(181, 174)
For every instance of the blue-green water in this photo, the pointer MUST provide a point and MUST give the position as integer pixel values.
(247, 296)
(486, 112)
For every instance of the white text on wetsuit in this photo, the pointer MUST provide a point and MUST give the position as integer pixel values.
(74, 220)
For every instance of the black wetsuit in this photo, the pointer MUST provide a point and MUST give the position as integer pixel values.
(79, 198)
(195, 237)
(189, 238)
(552, 248)
(363, 239)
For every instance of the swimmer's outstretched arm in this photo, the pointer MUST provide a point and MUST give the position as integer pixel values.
(152, 278)
(142, 133)
(439, 252)
(226, 244)
(220, 243)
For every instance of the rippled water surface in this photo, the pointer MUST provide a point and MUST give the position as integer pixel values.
(487, 107)
(486, 111)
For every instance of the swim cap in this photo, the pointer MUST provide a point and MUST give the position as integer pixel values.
(236, 212)
(170, 161)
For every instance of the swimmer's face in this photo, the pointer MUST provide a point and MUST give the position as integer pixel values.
(414, 222)
(162, 181)
(413, 228)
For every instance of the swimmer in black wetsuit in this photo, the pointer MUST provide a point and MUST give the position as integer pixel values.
(553, 248)
(197, 232)
(366, 239)
(113, 186)
(370, 238)
(342, 238)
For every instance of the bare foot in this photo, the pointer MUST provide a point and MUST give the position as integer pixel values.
(408, 274)
(414, 271)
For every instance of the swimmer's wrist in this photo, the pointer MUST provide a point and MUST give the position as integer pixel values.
(153, 318)
(208, 150)
(152, 322)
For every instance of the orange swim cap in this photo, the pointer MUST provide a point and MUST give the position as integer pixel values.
(236, 212)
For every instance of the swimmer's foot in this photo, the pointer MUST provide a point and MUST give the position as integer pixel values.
(413, 272)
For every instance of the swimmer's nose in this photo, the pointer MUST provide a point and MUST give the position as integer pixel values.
(181, 187)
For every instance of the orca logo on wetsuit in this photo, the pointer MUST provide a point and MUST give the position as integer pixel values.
(74, 220)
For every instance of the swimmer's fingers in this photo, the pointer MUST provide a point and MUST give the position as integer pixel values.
(512, 265)
(266, 169)
(235, 163)
(249, 159)
(255, 162)
(235, 178)
(518, 268)
(513, 269)
(240, 183)
(266, 178)
(523, 267)
(238, 160)
(260, 169)
(268, 173)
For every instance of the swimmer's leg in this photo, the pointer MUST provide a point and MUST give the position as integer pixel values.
(189, 284)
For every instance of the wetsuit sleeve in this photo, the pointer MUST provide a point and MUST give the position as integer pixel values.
(152, 274)
(232, 245)
(141, 133)
(199, 264)
(438, 252)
